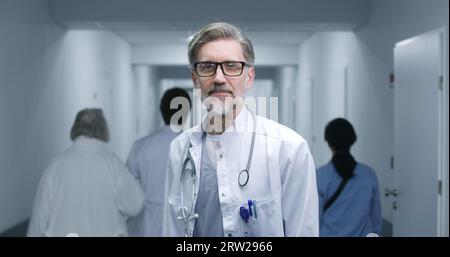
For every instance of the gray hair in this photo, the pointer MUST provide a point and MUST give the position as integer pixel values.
(90, 123)
(216, 31)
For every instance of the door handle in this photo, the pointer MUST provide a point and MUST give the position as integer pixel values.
(392, 192)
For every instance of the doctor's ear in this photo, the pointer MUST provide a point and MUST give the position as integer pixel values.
(194, 80)
(250, 77)
(196, 84)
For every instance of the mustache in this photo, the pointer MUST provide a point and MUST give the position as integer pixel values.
(220, 89)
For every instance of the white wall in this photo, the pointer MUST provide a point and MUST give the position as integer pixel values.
(323, 60)
(285, 80)
(47, 74)
(147, 101)
(367, 55)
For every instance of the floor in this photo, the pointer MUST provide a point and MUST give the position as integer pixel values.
(21, 230)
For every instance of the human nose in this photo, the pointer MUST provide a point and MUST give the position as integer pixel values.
(219, 76)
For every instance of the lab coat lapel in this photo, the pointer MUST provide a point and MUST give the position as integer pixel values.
(196, 153)
(239, 127)
(236, 141)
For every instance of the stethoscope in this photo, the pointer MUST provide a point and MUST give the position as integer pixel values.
(188, 169)
(188, 214)
(244, 175)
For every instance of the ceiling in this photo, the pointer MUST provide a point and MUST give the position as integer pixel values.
(156, 37)
(162, 22)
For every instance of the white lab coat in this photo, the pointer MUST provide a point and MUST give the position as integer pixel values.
(282, 180)
(148, 162)
(87, 191)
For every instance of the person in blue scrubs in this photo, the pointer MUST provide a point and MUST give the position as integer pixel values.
(349, 197)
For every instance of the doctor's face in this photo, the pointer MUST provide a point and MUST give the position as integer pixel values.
(222, 90)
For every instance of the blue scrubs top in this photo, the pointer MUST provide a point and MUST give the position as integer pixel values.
(209, 223)
(357, 210)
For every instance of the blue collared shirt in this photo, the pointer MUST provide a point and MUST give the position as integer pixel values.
(357, 210)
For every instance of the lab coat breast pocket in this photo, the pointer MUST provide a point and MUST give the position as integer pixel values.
(262, 222)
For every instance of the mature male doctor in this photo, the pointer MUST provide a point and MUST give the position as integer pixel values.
(236, 174)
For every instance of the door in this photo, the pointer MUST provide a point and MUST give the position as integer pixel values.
(417, 139)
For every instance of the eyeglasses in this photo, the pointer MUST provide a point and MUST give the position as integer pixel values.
(229, 68)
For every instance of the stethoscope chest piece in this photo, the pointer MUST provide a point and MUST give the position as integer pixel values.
(243, 178)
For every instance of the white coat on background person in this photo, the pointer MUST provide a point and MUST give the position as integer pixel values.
(282, 181)
(86, 190)
(147, 162)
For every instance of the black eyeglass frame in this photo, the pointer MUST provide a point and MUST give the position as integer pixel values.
(220, 64)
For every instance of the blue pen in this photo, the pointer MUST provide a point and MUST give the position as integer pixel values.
(250, 203)
(244, 214)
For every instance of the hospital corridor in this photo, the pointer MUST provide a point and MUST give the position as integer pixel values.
(336, 92)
